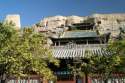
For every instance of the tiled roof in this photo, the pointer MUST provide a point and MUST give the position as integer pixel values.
(74, 34)
(75, 52)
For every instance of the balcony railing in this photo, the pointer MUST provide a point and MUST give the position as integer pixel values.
(75, 46)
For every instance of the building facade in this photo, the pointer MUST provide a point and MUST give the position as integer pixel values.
(72, 45)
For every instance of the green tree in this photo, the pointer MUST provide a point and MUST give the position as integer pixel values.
(112, 61)
(118, 48)
(83, 67)
(24, 53)
(93, 64)
(105, 65)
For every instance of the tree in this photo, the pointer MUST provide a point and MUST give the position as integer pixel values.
(117, 47)
(105, 65)
(24, 53)
(113, 60)
(7, 34)
(93, 64)
(83, 67)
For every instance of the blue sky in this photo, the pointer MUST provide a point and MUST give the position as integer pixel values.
(32, 11)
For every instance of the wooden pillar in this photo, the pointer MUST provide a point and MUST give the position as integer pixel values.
(45, 81)
(89, 80)
(55, 43)
(28, 79)
(59, 43)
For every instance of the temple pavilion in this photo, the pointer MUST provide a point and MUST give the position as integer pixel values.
(72, 45)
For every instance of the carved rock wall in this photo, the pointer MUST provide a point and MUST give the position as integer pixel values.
(110, 23)
(104, 22)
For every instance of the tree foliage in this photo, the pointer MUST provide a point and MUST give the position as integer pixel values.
(91, 64)
(24, 53)
(118, 49)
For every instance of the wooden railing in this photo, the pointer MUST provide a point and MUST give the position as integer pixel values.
(75, 46)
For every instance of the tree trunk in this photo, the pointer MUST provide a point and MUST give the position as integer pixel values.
(2, 81)
(106, 81)
(74, 78)
(4, 78)
(86, 78)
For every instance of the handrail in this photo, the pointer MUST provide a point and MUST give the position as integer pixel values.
(80, 46)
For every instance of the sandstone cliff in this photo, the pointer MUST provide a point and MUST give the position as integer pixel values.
(103, 22)
(110, 23)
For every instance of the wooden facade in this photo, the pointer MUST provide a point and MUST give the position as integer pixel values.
(72, 45)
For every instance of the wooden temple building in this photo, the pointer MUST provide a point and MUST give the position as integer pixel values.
(72, 45)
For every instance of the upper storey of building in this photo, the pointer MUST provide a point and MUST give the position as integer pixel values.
(81, 33)
(82, 26)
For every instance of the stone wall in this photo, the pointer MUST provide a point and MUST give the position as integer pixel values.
(14, 19)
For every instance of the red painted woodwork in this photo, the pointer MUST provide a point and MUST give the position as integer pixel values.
(66, 81)
(89, 80)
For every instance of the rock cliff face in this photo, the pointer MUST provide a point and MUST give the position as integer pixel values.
(103, 22)
(110, 23)
(57, 21)
(53, 22)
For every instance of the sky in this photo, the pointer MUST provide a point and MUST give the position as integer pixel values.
(32, 11)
